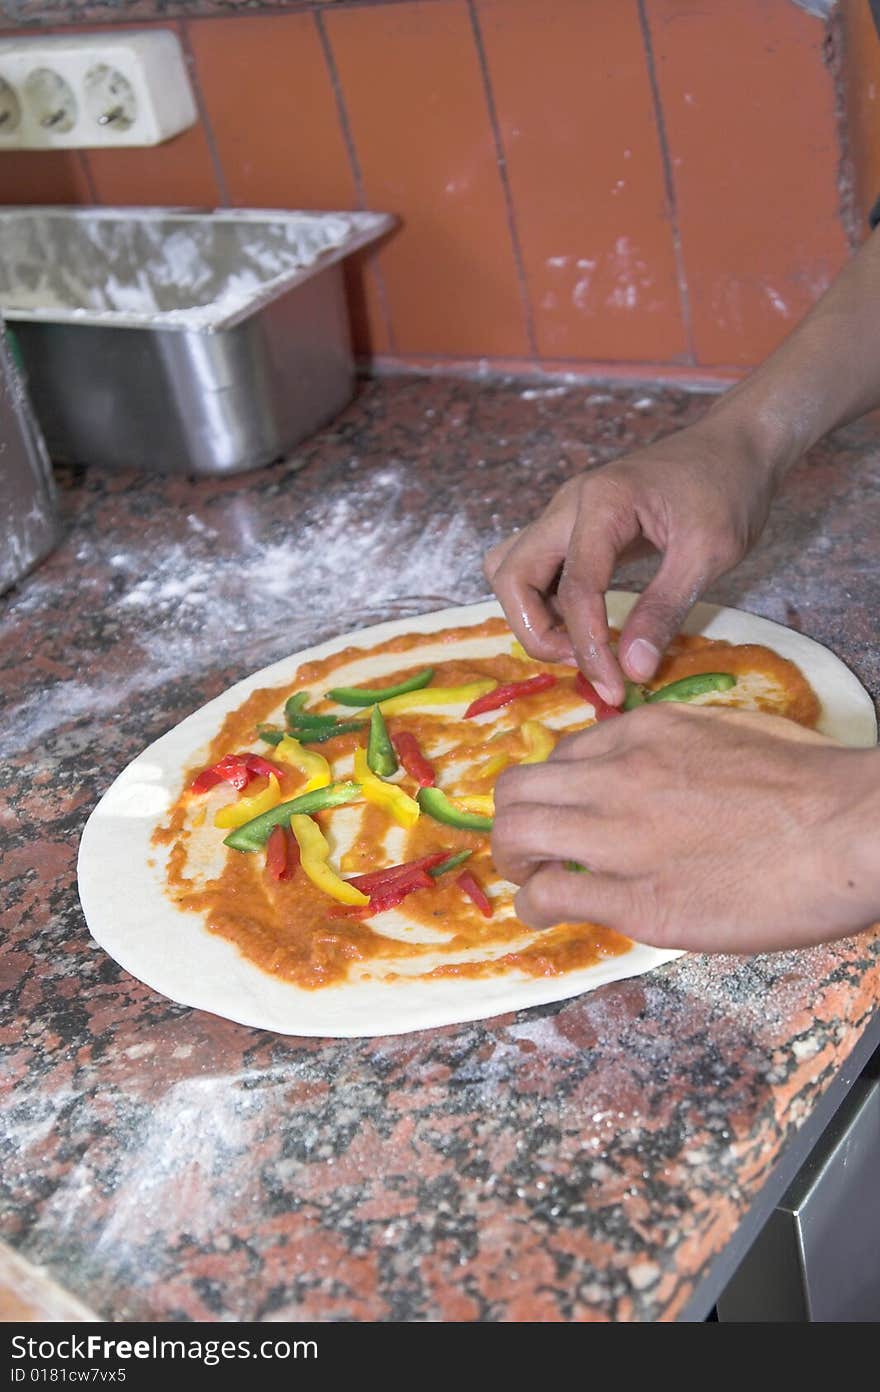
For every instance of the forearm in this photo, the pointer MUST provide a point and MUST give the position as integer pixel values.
(827, 372)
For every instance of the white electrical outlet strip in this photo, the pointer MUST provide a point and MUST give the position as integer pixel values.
(62, 91)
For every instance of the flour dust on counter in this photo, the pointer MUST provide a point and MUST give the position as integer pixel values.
(355, 892)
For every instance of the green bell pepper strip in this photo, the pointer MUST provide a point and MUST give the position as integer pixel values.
(365, 696)
(255, 833)
(380, 751)
(437, 805)
(318, 734)
(697, 685)
(314, 722)
(295, 705)
(576, 865)
(635, 696)
(270, 734)
(435, 871)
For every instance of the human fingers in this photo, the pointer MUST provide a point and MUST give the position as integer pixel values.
(526, 834)
(688, 566)
(554, 895)
(523, 573)
(495, 555)
(605, 526)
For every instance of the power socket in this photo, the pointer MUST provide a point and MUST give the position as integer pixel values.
(64, 92)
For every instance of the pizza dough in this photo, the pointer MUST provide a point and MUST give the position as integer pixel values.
(122, 875)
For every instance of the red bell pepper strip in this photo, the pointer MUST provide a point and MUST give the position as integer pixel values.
(388, 888)
(589, 693)
(257, 765)
(282, 853)
(503, 695)
(394, 874)
(475, 892)
(413, 760)
(237, 769)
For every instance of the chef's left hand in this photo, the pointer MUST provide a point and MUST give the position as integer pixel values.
(704, 829)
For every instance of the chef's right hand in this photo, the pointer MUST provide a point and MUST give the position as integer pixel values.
(699, 497)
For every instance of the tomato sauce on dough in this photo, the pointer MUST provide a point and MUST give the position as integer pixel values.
(295, 932)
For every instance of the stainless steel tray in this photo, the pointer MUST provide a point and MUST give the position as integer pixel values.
(177, 340)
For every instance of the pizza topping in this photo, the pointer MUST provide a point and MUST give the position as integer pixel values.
(236, 814)
(586, 689)
(282, 853)
(493, 766)
(254, 834)
(235, 769)
(512, 691)
(635, 696)
(315, 767)
(437, 805)
(388, 888)
(438, 696)
(484, 803)
(697, 685)
(475, 892)
(540, 742)
(380, 751)
(368, 696)
(404, 809)
(271, 734)
(312, 734)
(315, 860)
(412, 758)
(451, 863)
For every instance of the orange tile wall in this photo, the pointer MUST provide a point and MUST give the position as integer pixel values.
(645, 187)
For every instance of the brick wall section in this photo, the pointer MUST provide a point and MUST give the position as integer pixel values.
(649, 186)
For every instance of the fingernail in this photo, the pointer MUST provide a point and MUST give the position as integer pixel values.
(642, 659)
(605, 692)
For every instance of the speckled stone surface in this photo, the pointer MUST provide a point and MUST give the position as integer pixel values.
(580, 1161)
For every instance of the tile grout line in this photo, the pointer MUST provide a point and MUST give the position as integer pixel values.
(354, 162)
(505, 183)
(202, 109)
(668, 181)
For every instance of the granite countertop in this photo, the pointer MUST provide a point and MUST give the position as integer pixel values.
(586, 1160)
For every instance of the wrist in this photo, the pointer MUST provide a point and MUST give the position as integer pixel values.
(854, 864)
(772, 439)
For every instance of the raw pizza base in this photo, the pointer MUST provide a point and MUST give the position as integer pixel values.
(121, 879)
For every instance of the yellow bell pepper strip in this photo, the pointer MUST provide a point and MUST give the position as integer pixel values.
(235, 814)
(437, 805)
(438, 696)
(540, 742)
(381, 757)
(483, 803)
(365, 696)
(517, 650)
(315, 767)
(254, 834)
(393, 800)
(493, 766)
(314, 857)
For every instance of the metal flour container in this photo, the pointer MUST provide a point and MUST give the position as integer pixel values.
(28, 525)
(178, 341)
